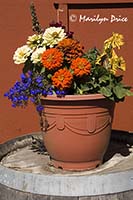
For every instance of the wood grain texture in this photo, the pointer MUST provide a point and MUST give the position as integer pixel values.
(10, 194)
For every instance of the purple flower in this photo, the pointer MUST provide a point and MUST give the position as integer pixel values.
(32, 100)
(32, 92)
(39, 108)
(44, 92)
(6, 94)
(14, 105)
(60, 92)
(23, 77)
(57, 24)
(39, 79)
(49, 92)
(30, 73)
(70, 34)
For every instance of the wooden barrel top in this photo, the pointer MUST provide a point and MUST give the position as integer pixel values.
(25, 166)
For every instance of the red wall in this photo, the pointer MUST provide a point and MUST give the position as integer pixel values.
(15, 26)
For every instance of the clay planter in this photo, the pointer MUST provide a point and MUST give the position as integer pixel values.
(78, 130)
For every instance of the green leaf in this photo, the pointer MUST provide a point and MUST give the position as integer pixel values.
(74, 85)
(84, 88)
(49, 76)
(103, 79)
(121, 92)
(27, 67)
(106, 91)
(99, 71)
(129, 93)
(79, 91)
(42, 70)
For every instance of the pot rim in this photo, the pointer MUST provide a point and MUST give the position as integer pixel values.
(74, 97)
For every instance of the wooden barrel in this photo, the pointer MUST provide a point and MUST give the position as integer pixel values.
(26, 173)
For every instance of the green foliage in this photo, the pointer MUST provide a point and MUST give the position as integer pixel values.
(102, 81)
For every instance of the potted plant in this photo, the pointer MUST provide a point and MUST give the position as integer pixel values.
(74, 91)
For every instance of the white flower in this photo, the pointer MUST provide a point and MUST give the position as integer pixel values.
(21, 54)
(53, 36)
(36, 55)
(34, 41)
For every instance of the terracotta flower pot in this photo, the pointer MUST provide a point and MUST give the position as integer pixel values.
(78, 130)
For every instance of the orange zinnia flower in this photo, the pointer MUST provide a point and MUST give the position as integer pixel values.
(52, 58)
(62, 79)
(80, 67)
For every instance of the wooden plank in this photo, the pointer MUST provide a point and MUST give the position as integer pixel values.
(10, 194)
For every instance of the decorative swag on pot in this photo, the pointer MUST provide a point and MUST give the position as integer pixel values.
(74, 91)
